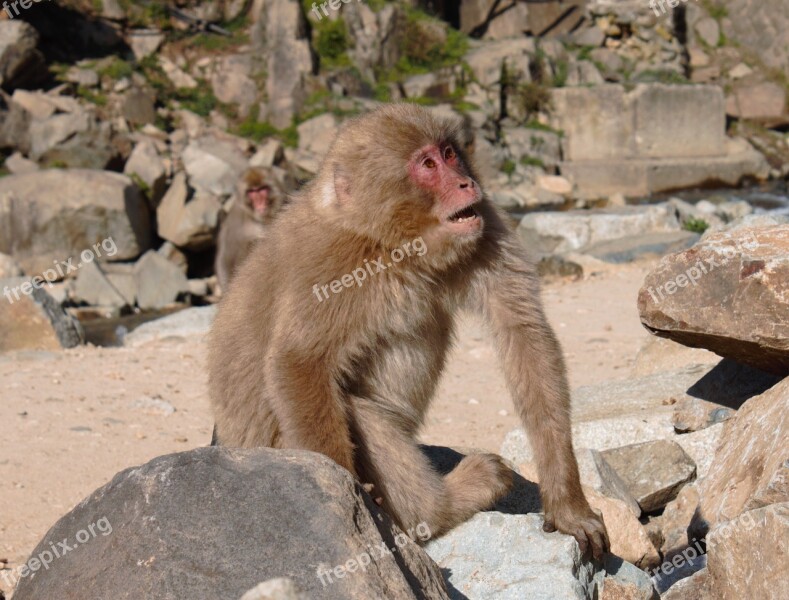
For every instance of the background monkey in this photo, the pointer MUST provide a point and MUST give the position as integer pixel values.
(352, 376)
(257, 200)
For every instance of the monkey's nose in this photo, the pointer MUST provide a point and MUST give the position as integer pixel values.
(469, 183)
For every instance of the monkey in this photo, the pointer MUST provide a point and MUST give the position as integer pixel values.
(257, 200)
(351, 374)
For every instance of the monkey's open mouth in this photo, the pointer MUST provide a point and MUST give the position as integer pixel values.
(464, 214)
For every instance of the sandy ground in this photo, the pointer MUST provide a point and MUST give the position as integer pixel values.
(69, 421)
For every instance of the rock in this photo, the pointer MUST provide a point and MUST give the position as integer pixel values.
(568, 231)
(757, 101)
(588, 36)
(138, 106)
(556, 17)
(145, 42)
(8, 267)
(751, 467)
(486, 60)
(637, 247)
(553, 265)
(30, 319)
(695, 587)
(659, 355)
(555, 185)
(534, 145)
(175, 256)
(692, 414)
(214, 165)
(709, 31)
(583, 72)
(279, 588)
(494, 555)
(60, 214)
(481, 17)
(18, 164)
(289, 60)
(747, 557)
(269, 154)
(629, 539)
(82, 77)
(21, 63)
(38, 104)
(761, 27)
(259, 518)
(676, 519)
(177, 76)
(93, 287)
(597, 474)
(189, 224)
(191, 322)
(623, 581)
(378, 37)
(159, 282)
(232, 83)
(48, 133)
(317, 134)
(653, 472)
(652, 121)
(146, 164)
(679, 299)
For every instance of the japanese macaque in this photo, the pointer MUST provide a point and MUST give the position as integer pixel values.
(257, 200)
(351, 374)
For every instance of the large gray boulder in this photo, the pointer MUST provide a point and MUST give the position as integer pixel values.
(216, 522)
(58, 214)
(726, 294)
(510, 557)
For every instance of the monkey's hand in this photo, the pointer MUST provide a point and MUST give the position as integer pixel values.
(581, 522)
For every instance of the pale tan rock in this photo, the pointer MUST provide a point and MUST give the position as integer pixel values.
(751, 467)
(748, 557)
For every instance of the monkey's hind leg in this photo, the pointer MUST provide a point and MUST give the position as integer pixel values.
(413, 492)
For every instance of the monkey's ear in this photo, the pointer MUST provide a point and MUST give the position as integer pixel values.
(342, 186)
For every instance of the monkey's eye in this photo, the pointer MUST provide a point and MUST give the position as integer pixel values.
(449, 153)
(429, 163)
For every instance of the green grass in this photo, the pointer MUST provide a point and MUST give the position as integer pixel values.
(332, 42)
(257, 131)
(96, 98)
(508, 167)
(696, 225)
(117, 69)
(531, 161)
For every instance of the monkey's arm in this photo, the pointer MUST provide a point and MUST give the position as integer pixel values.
(311, 409)
(534, 369)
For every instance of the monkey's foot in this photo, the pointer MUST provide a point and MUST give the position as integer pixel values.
(480, 480)
(584, 524)
(369, 487)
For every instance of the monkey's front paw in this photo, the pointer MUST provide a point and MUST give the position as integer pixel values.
(584, 525)
(370, 489)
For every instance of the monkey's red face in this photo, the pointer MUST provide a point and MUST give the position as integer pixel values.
(258, 199)
(439, 170)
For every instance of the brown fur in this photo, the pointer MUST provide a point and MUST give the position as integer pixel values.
(243, 227)
(352, 376)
